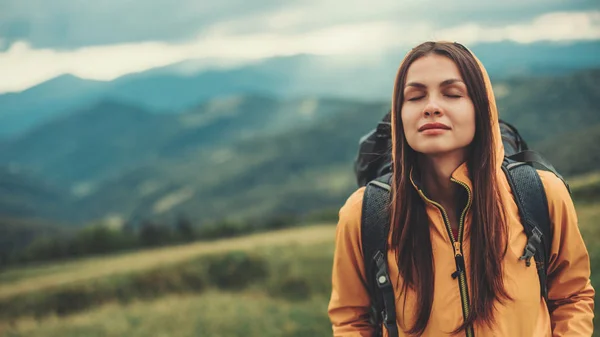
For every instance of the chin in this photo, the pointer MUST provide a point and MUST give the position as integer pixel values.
(438, 149)
(434, 153)
(434, 149)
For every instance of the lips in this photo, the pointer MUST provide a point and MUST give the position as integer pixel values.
(430, 126)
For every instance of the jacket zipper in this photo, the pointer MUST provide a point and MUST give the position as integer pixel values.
(458, 252)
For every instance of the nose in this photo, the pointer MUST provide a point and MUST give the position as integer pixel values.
(432, 109)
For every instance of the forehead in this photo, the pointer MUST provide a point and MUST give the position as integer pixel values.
(432, 69)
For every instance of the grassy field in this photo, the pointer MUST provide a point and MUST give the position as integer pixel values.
(23, 280)
(270, 284)
(211, 314)
(149, 293)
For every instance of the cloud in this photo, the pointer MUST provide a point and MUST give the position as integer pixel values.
(73, 24)
(70, 24)
(23, 66)
(562, 26)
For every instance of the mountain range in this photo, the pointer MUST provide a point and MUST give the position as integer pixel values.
(247, 156)
(272, 137)
(179, 87)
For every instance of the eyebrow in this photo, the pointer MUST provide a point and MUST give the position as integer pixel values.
(443, 84)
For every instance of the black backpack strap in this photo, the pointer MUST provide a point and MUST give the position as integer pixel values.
(375, 225)
(530, 197)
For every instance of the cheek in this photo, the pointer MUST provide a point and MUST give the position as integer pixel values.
(407, 117)
(466, 121)
(410, 119)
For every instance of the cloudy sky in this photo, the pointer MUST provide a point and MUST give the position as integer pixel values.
(104, 39)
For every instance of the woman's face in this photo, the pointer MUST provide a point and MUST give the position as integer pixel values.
(437, 113)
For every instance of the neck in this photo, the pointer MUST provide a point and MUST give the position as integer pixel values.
(436, 172)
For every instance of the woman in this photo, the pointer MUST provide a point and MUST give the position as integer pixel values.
(447, 180)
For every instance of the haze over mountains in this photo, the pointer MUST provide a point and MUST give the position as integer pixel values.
(275, 137)
(178, 87)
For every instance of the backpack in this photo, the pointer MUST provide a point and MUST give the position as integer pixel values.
(373, 169)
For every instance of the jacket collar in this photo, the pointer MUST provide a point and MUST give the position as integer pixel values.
(460, 176)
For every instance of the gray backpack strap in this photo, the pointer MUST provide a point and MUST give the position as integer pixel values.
(375, 226)
(531, 200)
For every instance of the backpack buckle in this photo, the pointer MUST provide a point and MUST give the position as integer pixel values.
(390, 325)
(534, 241)
(385, 317)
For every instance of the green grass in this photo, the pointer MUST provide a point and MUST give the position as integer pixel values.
(287, 297)
(586, 187)
(212, 314)
(32, 279)
(294, 272)
(17, 274)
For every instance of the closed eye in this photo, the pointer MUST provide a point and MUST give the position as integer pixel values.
(454, 96)
(415, 98)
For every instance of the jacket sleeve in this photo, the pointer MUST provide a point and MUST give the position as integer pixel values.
(570, 292)
(349, 304)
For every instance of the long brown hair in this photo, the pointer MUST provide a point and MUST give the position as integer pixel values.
(410, 230)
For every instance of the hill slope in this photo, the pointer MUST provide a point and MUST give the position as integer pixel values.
(255, 156)
(544, 107)
(573, 153)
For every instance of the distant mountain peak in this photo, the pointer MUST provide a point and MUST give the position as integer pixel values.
(63, 82)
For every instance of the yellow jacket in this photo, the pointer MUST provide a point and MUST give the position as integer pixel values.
(570, 294)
